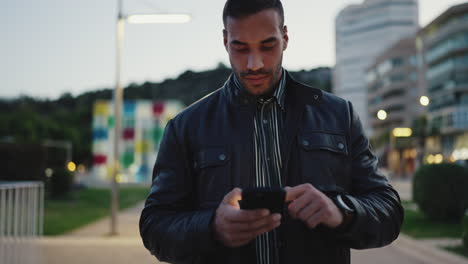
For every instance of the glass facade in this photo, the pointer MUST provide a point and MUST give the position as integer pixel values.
(447, 75)
(455, 42)
(447, 72)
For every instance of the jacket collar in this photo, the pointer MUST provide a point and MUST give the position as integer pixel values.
(294, 93)
(278, 94)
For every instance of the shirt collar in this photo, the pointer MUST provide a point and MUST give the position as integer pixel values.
(279, 92)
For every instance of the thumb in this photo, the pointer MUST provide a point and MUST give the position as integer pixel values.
(233, 197)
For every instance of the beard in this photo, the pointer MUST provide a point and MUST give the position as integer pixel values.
(272, 77)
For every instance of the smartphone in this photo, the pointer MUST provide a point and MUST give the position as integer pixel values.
(271, 198)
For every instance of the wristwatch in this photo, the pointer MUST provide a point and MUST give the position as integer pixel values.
(346, 210)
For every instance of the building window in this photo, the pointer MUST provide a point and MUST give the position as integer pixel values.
(464, 99)
(371, 76)
(384, 67)
(397, 78)
(397, 62)
(394, 93)
(440, 69)
(455, 42)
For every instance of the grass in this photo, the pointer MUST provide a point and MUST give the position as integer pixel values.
(417, 225)
(85, 206)
(461, 250)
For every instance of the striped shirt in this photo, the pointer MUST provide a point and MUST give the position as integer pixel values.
(268, 123)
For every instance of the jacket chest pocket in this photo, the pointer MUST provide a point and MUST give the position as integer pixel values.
(324, 159)
(213, 166)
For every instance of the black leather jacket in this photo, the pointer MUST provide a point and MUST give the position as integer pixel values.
(207, 150)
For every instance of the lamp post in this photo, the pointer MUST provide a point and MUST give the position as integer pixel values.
(421, 130)
(118, 94)
(399, 132)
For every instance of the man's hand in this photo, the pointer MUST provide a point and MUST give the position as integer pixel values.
(312, 206)
(235, 227)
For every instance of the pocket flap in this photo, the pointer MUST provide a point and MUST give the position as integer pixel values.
(323, 141)
(212, 156)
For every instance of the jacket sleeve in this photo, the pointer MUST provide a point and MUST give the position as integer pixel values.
(171, 226)
(378, 211)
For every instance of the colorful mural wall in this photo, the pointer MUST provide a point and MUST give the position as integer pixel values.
(143, 124)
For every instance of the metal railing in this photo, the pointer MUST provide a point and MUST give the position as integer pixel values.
(21, 221)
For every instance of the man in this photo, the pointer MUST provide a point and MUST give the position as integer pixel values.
(264, 129)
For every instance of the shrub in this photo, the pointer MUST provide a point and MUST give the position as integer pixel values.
(22, 162)
(440, 191)
(465, 230)
(60, 183)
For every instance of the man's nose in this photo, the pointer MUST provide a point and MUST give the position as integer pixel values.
(255, 62)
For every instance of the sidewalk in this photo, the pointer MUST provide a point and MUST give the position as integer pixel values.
(404, 188)
(92, 245)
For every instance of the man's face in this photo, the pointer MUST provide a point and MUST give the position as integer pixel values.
(255, 45)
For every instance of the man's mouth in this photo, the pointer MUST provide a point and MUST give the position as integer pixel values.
(256, 79)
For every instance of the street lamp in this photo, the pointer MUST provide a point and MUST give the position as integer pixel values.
(382, 115)
(399, 132)
(159, 18)
(424, 100)
(118, 93)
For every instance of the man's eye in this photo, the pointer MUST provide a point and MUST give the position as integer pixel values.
(242, 50)
(269, 47)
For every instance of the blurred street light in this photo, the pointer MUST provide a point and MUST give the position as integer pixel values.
(424, 100)
(81, 168)
(430, 159)
(118, 93)
(159, 18)
(402, 132)
(71, 166)
(48, 172)
(382, 114)
(435, 159)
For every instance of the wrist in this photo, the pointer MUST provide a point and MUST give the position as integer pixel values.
(347, 212)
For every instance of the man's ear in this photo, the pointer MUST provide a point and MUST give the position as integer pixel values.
(225, 38)
(285, 37)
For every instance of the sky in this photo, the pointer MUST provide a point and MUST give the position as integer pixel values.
(50, 47)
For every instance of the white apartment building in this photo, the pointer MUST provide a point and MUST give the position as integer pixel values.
(362, 32)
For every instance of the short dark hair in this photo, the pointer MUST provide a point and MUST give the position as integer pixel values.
(241, 8)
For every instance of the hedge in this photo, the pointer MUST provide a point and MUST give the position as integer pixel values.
(440, 190)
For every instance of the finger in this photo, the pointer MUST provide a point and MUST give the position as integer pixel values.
(233, 197)
(238, 239)
(308, 211)
(261, 228)
(246, 215)
(315, 219)
(300, 203)
(243, 238)
(255, 225)
(267, 228)
(239, 243)
(293, 193)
